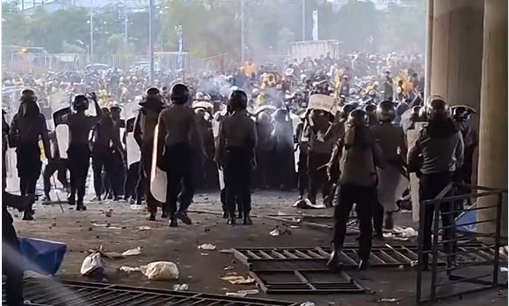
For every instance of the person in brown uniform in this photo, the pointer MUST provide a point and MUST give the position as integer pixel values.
(319, 152)
(392, 142)
(236, 155)
(178, 130)
(78, 152)
(27, 127)
(357, 185)
(144, 127)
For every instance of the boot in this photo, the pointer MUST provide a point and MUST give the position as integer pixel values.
(173, 221)
(28, 215)
(225, 215)
(182, 216)
(333, 262)
(363, 264)
(247, 219)
(80, 206)
(389, 221)
(231, 218)
(46, 200)
(151, 217)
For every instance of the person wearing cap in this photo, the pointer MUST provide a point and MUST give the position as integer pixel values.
(435, 157)
(144, 128)
(178, 130)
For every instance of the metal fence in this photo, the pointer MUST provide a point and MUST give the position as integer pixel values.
(42, 63)
(450, 275)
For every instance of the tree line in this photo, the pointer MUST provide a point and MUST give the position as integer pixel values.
(211, 27)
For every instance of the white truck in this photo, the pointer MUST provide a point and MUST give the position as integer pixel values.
(314, 49)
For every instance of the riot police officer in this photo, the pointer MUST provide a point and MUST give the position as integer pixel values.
(78, 153)
(357, 185)
(144, 127)
(182, 141)
(28, 125)
(235, 154)
(391, 139)
(436, 155)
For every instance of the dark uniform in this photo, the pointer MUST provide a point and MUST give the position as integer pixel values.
(54, 165)
(392, 142)
(28, 126)
(101, 161)
(78, 153)
(182, 142)
(435, 157)
(357, 185)
(144, 127)
(302, 164)
(235, 154)
(12, 261)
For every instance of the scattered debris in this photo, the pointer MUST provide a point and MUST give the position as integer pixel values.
(401, 233)
(93, 263)
(109, 213)
(242, 293)
(180, 287)
(137, 207)
(307, 304)
(128, 270)
(503, 269)
(228, 268)
(143, 228)
(132, 252)
(207, 247)
(106, 225)
(280, 230)
(226, 251)
(238, 279)
(388, 300)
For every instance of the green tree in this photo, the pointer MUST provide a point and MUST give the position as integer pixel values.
(15, 26)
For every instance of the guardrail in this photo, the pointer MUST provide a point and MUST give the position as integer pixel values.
(458, 277)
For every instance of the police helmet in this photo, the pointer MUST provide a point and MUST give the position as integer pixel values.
(179, 93)
(358, 117)
(280, 114)
(369, 108)
(349, 107)
(436, 108)
(199, 96)
(386, 112)
(153, 92)
(80, 101)
(237, 100)
(28, 95)
(115, 107)
(461, 113)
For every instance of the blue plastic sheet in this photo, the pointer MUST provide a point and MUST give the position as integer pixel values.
(464, 223)
(42, 256)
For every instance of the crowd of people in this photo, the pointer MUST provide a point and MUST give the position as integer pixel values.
(335, 125)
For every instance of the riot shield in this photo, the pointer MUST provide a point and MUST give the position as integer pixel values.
(158, 180)
(62, 131)
(132, 149)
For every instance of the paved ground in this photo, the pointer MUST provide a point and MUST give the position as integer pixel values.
(201, 269)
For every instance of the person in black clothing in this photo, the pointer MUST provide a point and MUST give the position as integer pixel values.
(12, 261)
(435, 157)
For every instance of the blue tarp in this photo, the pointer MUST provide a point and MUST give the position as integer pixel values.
(42, 256)
(467, 217)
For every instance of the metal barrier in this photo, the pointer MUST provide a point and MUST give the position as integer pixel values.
(458, 277)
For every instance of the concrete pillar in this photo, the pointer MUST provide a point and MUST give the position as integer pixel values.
(493, 126)
(456, 50)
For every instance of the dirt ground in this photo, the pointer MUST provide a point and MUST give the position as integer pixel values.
(201, 270)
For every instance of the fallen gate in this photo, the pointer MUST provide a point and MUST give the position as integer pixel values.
(317, 222)
(381, 256)
(309, 278)
(52, 292)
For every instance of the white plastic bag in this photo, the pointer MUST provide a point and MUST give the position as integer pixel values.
(91, 263)
(160, 270)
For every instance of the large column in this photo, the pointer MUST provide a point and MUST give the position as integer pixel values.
(493, 126)
(456, 50)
